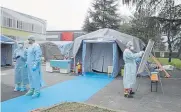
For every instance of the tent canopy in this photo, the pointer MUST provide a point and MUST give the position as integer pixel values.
(55, 48)
(64, 46)
(6, 40)
(106, 35)
(49, 50)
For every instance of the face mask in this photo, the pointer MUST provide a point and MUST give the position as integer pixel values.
(132, 48)
(20, 46)
(30, 42)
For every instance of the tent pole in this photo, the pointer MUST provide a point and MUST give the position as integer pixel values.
(74, 65)
(102, 63)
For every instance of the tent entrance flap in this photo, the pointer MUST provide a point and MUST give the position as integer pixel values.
(96, 57)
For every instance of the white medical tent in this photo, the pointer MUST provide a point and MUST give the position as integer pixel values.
(7, 49)
(58, 48)
(103, 48)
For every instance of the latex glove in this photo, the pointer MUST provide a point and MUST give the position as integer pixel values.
(17, 57)
(142, 52)
(26, 65)
(34, 68)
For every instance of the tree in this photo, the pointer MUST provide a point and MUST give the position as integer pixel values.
(167, 14)
(171, 20)
(88, 27)
(103, 15)
(160, 45)
(177, 44)
(143, 27)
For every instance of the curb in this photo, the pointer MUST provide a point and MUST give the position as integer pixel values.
(43, 109)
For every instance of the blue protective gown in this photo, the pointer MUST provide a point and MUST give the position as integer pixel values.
(34, 54)
(21, 74)
(129, 78)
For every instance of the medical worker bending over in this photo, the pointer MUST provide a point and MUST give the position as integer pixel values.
(21, 75)
(34, 68)
(129, 78)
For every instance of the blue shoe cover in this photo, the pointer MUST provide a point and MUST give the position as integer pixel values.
(30, 92)
(36, 94)
(23, 88)
(17, 88)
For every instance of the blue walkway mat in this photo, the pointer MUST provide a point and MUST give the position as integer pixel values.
(78, 89)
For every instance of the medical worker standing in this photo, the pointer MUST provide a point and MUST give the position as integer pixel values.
(129, 78)
(21, 75)
(33, 64)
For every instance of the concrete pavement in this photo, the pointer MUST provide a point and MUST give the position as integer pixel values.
(112, 95)
(7, 82)
(144, 100)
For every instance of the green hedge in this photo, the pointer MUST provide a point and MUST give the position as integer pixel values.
(175, 62)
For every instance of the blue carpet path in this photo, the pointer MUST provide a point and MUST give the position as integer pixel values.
(78, 89)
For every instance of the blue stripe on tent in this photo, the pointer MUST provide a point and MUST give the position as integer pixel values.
(5, 39)
(78, 89)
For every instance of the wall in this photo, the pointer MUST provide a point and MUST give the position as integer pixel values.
(59, 34)
(19, 26)
(67, 36)
(20, 35)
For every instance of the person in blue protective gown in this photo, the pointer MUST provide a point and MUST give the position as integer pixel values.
(21, 75)
(129, 78)
(33, 64)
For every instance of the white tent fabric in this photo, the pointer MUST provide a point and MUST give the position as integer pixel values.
(103, 48)
(7, 49)
(49, 50)
(109, 34)
(58, 48)
(64, 46)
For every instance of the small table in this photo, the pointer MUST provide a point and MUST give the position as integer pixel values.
(63, 65)
(154, 79)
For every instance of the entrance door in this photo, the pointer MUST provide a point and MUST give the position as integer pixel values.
(102, 56)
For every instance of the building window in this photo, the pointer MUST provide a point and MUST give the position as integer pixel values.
(9, 22)
(32, 27)
(19, 24)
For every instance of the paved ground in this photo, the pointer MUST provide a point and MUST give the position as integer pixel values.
(144, 101)
(7, 82)
(112, 95)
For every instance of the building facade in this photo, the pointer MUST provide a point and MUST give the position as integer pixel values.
(19, 26)
(63, 35)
